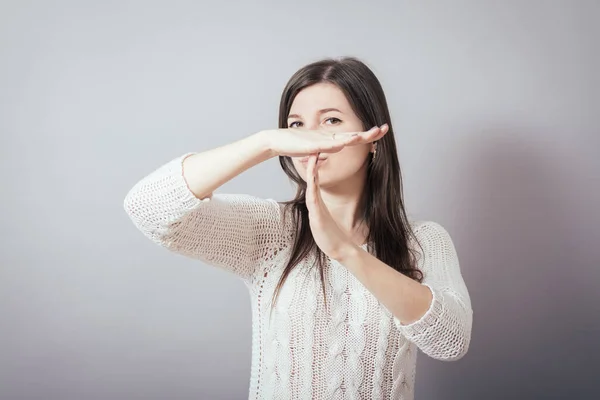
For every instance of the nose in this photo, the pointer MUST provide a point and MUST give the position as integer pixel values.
(312, 126)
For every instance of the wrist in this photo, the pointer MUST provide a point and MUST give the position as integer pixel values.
(348, 252)
(265, 141)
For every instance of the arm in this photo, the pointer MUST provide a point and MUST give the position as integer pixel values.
(435, 315)
(205, 172)
(175, 207)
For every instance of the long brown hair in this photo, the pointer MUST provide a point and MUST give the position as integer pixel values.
(383, 211)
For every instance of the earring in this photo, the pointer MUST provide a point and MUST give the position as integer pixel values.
(375, 152)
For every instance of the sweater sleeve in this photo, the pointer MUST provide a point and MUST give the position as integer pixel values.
(232, 231)
(444, 331)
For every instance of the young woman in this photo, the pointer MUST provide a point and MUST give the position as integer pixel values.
(344, 288)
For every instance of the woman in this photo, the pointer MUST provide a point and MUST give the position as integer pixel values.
(344, 288)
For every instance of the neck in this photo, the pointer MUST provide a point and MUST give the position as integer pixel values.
(344, 200)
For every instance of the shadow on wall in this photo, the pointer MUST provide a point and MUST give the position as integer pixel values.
(530, 260)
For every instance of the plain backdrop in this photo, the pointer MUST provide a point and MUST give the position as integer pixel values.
(496, 108)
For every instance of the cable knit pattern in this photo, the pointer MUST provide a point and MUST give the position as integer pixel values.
(352, 349)
(449, 316)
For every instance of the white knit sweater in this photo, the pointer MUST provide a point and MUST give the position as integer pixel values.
(353, 349)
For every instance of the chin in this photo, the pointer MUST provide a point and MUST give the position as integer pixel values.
(326, 181)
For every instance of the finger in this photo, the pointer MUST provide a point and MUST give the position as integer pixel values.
(375, 133)
(336, 144)
(314, 200)
(311, 181)
(349, 138)
(332, 145)
(317, 185)
(384, 129)
(354, 138)
(365, 137)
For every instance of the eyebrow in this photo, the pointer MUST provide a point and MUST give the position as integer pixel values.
(323, 111)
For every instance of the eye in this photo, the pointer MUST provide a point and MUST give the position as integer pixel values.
(292, 125)
(334, 120)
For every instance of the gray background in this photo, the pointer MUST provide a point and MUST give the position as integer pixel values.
(496, 108)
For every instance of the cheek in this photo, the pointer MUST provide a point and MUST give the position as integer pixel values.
(351, 157)
(299, 168)
(347, 162)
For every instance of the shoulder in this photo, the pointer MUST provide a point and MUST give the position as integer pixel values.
(425, 226)
(431, 234)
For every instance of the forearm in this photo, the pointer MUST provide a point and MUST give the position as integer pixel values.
(205, 172)
(405, 298)
(436, 314)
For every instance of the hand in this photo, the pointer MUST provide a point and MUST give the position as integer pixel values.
(295, 142)
(326, 232)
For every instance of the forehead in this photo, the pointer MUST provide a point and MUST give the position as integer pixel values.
(318, 97)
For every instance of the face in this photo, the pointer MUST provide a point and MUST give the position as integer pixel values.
(324, 106)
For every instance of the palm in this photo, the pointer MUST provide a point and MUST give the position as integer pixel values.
(299, 142)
